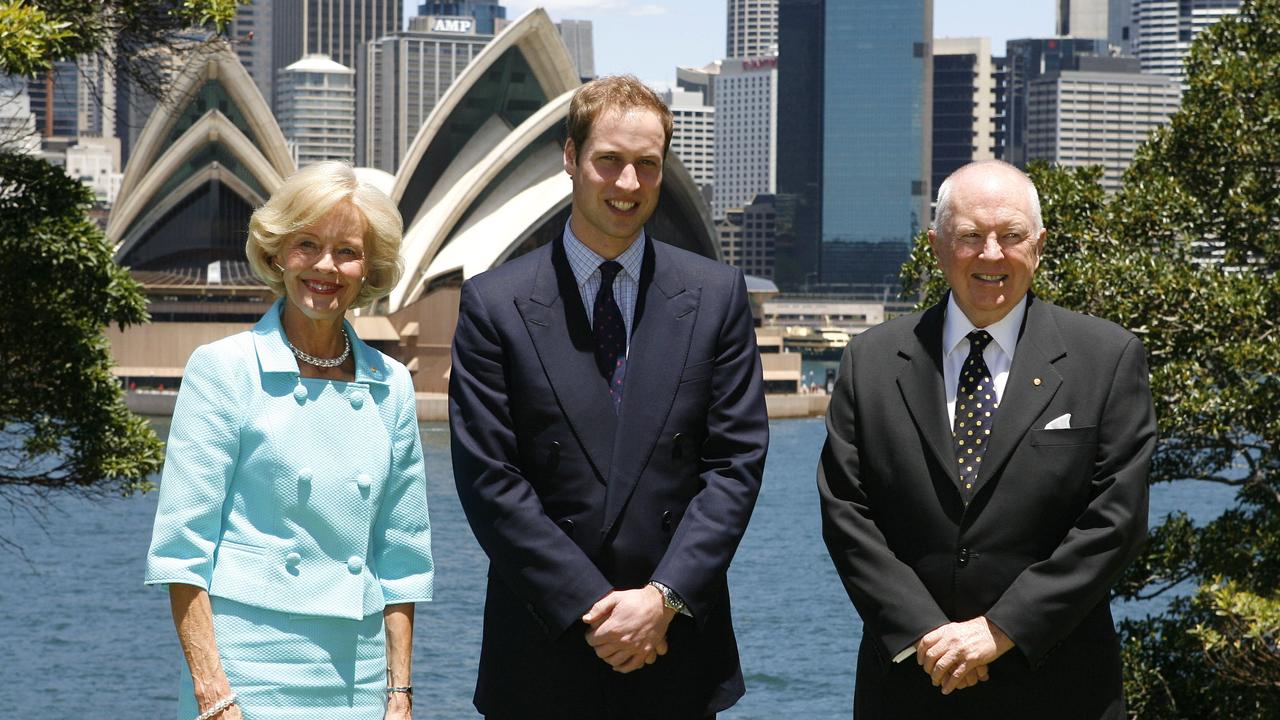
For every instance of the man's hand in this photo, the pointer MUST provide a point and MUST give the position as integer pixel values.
(956, 655)
(629, 628)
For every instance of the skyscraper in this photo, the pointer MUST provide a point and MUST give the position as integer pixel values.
(402, 76)
(856, 88)
(965, 105)
(752, 29)
(746, 139)
(1097, 113)
(1096, 19)
(251, 37)
(317, 109)
(693, 135)
(1028, 59)
(577, 36)
(1163, 30)
(488, 13)
(337, 28)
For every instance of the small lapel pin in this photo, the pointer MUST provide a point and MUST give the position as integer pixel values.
(1036, 382)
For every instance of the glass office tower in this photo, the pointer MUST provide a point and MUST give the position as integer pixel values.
(854, 149)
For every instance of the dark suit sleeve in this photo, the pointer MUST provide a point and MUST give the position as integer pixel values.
(532, 556)
(1050, 598)
(894, 604)
(732, 463)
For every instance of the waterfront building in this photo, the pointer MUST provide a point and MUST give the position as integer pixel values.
(490, 16)
(966, 105)
(401, 78)
(748, 237)
(481, 183)
(1026, 60)
(95, 161)
(17, 123)
(1097, 113)
(251, 36)
(1108, 19)
(746, 137)
(577, 36)
(856, 85)
(752, 28)
(317, 110)
(700, 80)
(693, 136)
(75, 97)
(1163, 30)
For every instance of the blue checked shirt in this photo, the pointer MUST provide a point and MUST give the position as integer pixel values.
(585, 264)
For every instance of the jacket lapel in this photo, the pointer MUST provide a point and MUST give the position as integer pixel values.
(921, 385)
(557, 326)
(661, 331)
(1032, 383)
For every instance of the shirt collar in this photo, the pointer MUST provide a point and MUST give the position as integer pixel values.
(584, 261)
(274, 355)
(1003, 331)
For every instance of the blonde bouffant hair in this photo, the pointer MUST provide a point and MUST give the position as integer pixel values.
(302, 200)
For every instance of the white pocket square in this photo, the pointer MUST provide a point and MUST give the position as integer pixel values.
(1062, 422)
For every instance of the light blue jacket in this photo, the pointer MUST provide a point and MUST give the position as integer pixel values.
(293, 494)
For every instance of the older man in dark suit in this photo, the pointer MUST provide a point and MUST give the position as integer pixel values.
(984, 481)
(609, 435)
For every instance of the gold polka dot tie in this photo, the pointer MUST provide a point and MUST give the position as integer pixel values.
(976, 407)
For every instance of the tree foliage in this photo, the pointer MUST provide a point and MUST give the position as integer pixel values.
(1186, 255)
(63, 415)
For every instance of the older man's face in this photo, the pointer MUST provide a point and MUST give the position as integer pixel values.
(989, 248)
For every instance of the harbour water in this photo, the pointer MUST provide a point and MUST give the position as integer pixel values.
(80, 636)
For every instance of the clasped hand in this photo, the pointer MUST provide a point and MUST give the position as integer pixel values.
(956, 655)
(628, 628)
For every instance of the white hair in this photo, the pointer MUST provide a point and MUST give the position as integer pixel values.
(942, 213)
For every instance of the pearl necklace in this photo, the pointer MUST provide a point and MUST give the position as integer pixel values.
(319, 361)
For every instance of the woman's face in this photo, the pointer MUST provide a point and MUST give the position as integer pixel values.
(324, 264)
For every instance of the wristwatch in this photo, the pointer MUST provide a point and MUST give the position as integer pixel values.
(670, 599)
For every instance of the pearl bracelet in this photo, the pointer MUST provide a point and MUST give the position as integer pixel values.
(218, 707)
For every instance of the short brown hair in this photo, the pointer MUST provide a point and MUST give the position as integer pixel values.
(613, 92)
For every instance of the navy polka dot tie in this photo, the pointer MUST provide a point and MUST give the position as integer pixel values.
(610, 332)
(976, 407)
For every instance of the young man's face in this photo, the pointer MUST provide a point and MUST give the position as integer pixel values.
(617, 174)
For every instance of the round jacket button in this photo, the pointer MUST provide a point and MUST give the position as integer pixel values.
(357, 400)
(293, 558)
(355, 564)
(305, 475)
(364, 481)
(300, 392)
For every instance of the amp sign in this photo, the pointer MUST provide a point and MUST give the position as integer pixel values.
(454, 25)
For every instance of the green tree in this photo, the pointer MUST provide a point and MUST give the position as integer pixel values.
(63, 422)
(1186, 255)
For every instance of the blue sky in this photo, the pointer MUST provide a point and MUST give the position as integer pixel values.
(651, 37)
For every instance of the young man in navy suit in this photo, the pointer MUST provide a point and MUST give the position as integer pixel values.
(609, 436)
(984, 481)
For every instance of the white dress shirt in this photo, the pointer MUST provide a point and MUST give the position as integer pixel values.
(998, 354)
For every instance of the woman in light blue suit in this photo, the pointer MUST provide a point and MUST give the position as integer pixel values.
(292, 525)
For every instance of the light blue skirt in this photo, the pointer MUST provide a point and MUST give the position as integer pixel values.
(297, 667)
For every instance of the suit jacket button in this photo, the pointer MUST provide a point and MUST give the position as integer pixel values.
(567, 526)
(355, 565)
(292, 558)
(963, 556)
(677, 445)
(364, 481)
(666, 520)
(300, 392)
(553, 455)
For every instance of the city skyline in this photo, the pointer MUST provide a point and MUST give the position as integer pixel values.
(689, 34)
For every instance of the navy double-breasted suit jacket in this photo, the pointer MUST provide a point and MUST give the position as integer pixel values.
(1055, 516)
(571, 500)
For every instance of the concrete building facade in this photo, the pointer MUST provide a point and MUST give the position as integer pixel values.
(317, 110)
(752, 28)
(746, 137)
(1163, 30)
(966, 105)
(1092, 116)
(401, 78)
(748, 237)
(1027, 59)
(577, 36)
(693, 136)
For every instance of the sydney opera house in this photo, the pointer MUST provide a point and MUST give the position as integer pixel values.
(482, 183)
